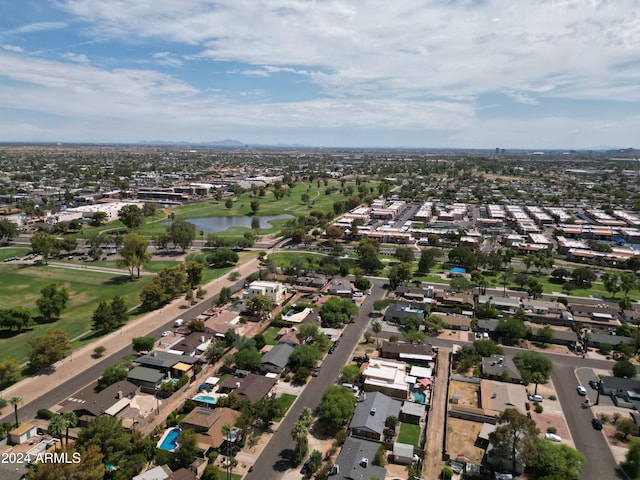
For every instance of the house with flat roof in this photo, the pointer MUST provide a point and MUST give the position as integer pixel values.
(371, 413)
(148, 379)
(386, 376)
(276, 359)
(274, 291)
(355, 461)
(409, 352)
(502, 304)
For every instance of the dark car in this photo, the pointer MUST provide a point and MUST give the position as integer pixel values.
(593, 384)
(597, 424)
(315, 372)
(305, 465)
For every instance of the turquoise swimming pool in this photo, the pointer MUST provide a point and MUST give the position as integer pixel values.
(205, 399)
(169, 440)
(419, 396)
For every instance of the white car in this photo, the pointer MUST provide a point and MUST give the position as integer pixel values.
(166, 333)
(553, 437)
(581, 390)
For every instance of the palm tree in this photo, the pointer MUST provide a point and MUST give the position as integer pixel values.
(57, 424)
(71, 420)
(15, 401)
(376, 326)
(299, 434)
(306, 416)
(537, 378)
(227, 428)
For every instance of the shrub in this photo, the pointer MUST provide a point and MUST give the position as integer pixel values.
(552, 397)
(44, 414)
(552, 430)
(538, 408)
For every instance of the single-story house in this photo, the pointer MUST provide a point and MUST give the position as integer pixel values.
(87, 403)
(340, 287)
(501, 367)
(252, 387)
(195, 343)
(355, 461)
(371, 413)
(161, 472)
(208, 424)
(397, 312)
(148, 379)
(597, 339)
(560, 337)
(168, 362)
(276, 359)
(502, 304)
(627, 388)
(416, 354)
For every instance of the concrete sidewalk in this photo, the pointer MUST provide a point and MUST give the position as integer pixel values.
(34, 387)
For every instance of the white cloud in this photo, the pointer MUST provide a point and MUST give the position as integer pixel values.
(167, 59)
(13, 48)
(399, 49)
(76, 57)
(37, 27)
(521, 97)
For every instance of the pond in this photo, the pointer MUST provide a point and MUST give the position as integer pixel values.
(220, 224)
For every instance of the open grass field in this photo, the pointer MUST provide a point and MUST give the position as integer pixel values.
(21, 284)
(409, 434)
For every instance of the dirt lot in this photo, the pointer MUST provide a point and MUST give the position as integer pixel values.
(467, 393)
(461, 436)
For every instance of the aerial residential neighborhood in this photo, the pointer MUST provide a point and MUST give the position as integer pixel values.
(385, 324)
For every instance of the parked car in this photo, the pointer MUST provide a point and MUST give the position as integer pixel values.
(581, 390)
(166, 333)
(593, 384)
(553, 437)
(315, 372)
(535, 398)
(596, 424)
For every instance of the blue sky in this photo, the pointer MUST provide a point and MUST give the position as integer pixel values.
(343, 73)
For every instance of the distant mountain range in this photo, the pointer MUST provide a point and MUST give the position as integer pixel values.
(220, 143)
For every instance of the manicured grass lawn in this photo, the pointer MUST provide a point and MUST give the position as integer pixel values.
(270, 335)
(20, 286)
(286, 400)
(14, 251)
(409, 434)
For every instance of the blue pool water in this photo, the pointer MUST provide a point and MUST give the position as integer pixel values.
(418, 396)
(205, 399)
(170, 440)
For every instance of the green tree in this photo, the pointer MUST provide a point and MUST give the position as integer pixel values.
(46, 350)
(610, 282)
(57, 426)
(624, 369)
(8, 230)
(112, 374)
(134, 253)
(463, 257)
(404, 254)
(119, 311)
(376, 326)
(304, 356)
(531, 362)
(67, 244)
(511, 330)
(224, 296)
(188, 447)
(428, 260)
(350, 374)
(143, 344)
(107, 433)
(514, 438)
(102, 319)
(255, 206)
(247, 359)
(626, 427)
(9, 372)
(149, 209)
(487, 310)
(556, 460)
(182, 233)
(53, 301)
(487, 347)
(337, 311)
(632, 458)
(336, 408)
(259, 305)
(583, 277)
(44, 244)
(399, 274)
(194, 273)
(223, 257)
(546, 334)
(131, 216)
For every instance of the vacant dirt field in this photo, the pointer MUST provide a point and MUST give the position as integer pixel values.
(461, 437)
(467, 393)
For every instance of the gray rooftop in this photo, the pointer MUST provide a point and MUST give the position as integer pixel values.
(278, 355)
(350, 462)
(145, 374)
(495, 365)
(160, 359)
(372, 411)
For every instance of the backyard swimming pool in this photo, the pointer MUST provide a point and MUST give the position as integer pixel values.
(418, 396)
(169, 440)
(205, 399)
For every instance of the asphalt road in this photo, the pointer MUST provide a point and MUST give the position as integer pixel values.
(273, 461)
